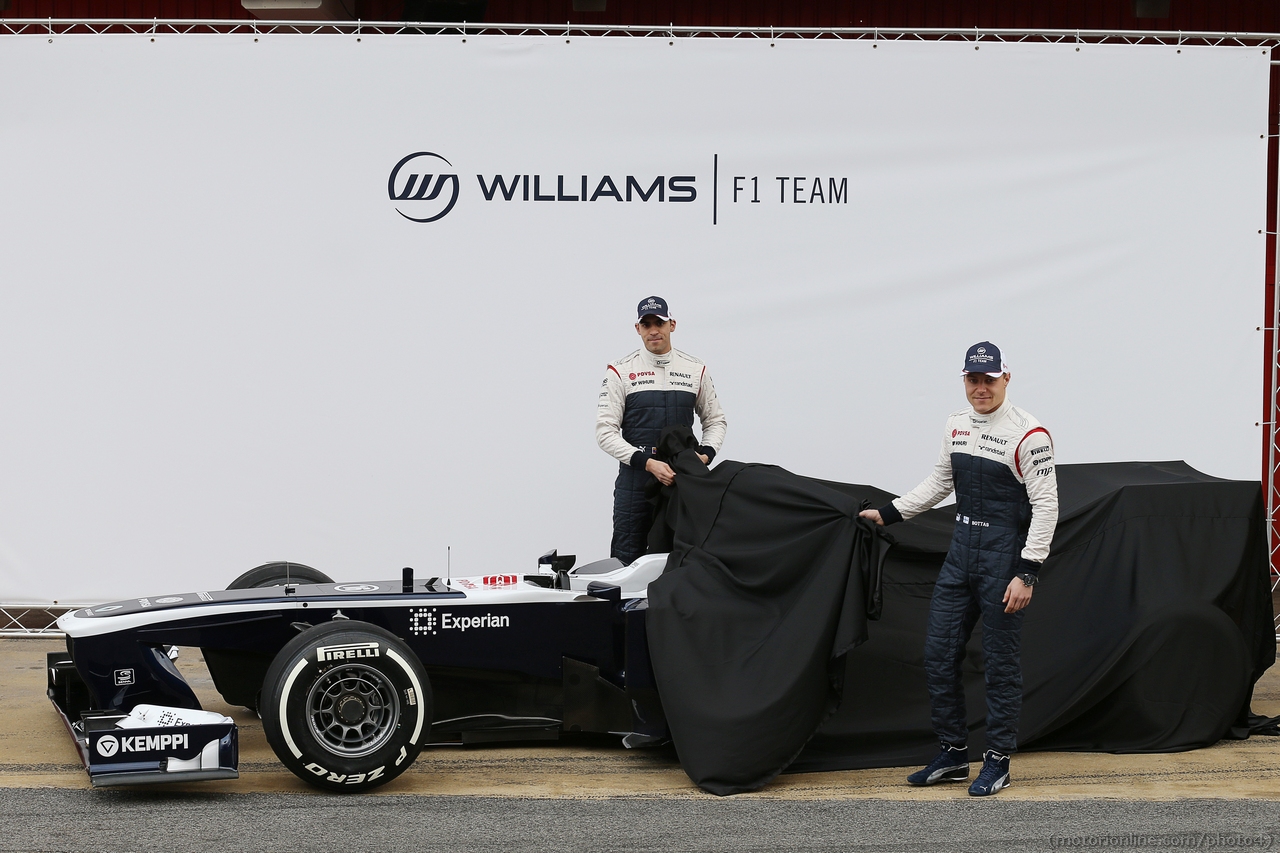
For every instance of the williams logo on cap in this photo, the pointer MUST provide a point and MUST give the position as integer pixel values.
(985, 357)
(655, 306)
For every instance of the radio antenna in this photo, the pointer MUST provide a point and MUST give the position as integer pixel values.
(448, 561)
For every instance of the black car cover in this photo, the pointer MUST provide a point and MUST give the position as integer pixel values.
(769, 583)
(1151, 622)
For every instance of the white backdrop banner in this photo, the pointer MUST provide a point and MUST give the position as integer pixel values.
(349, 302)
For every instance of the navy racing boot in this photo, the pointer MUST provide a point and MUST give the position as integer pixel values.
(951, 765)
(993, 776)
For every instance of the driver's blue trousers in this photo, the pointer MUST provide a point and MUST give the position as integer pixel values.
(959, 598)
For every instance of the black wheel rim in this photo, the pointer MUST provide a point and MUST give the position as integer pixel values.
(353, 710)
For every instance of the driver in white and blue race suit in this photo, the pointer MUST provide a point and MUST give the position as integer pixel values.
(643, 393)
(999, 461)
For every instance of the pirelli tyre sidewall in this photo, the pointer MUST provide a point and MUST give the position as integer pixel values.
(346, 706)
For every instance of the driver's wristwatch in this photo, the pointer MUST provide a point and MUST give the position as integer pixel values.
(1028, 579)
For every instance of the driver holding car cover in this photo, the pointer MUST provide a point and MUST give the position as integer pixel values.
(999, 461)
(652, 388)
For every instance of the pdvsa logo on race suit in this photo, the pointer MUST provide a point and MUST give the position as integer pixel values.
(349, 651)
(421, 191)
(109, 745)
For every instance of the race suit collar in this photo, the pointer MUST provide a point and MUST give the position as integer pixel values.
(993, 416)
(657, 360)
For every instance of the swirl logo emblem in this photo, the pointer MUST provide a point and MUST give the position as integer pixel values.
(422, 195)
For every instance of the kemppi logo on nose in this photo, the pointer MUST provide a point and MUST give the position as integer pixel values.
(422, 196)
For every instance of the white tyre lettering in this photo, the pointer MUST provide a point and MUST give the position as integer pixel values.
(376, 774)
(334, 777)
(355, 779)
(282, 711)
(417, 689)
(404, 753)
(316, 769)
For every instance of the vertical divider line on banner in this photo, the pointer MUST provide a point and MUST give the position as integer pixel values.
(1271, 411)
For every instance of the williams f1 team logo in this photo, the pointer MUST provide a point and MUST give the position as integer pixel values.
(423, 193)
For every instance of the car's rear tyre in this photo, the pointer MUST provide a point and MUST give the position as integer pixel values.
(346, 706)
(278, 574)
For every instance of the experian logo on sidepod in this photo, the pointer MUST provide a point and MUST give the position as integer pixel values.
(430, 620)
(423, 194)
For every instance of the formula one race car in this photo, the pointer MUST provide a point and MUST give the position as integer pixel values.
(353, 679)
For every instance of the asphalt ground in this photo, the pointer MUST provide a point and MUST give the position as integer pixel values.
(65, 820)
(591, 794)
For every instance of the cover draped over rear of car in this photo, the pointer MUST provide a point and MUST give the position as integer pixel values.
(769, 584)
(1151, 622)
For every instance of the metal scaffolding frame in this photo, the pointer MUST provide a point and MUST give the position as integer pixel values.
(19, 620)
(31, 620)
(187, 26)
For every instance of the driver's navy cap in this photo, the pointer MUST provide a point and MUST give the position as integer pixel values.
(985, 357)
(655, 305)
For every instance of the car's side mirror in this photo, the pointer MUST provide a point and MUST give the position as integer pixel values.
(557, 562)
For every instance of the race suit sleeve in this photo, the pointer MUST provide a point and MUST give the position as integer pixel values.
(711, 416)
(926, 495)
(1034, 459)
(613, 399)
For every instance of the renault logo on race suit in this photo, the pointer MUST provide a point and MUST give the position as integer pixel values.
(421, 192)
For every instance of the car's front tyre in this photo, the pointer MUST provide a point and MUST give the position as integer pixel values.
(346, 706)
